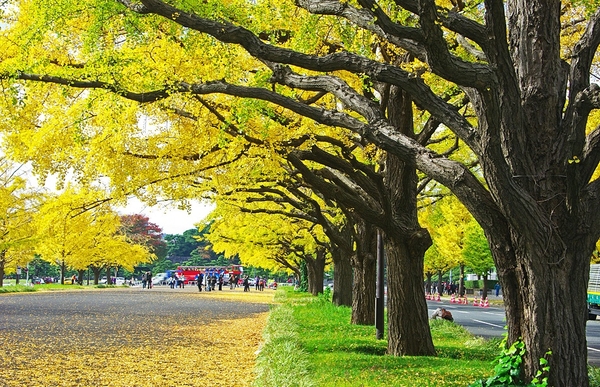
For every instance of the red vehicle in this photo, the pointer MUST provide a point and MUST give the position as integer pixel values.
(189, 273)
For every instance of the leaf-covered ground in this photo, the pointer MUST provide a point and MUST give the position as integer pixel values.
(158, 337)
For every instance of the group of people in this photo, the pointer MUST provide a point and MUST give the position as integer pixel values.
(210, 281)
(176, 282)
(147, 280)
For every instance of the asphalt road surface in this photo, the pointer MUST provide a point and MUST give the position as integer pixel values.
(110, 312)
(490, 322)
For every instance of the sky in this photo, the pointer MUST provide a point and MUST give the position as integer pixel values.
(172, 221)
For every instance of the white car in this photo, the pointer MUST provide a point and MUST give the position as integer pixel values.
(117, 281)
(159, 279)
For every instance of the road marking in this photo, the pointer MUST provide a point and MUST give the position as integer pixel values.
(487, 323)
(593, 349)
(494, 314)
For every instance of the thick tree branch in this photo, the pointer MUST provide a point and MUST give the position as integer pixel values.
(583, 56)
(440, 109)
(474, 75)
(439, 58)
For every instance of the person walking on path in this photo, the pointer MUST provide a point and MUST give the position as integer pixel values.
(199, 280)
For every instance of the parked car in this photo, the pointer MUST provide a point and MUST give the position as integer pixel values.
(116, 280)
(159, 279)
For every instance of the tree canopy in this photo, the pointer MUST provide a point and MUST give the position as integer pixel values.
(210, 78)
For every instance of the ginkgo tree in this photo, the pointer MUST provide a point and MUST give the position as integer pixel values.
(458, 240)
(18, 204)
(530, 97)
(78, 235)
(271, 241)
(476, 253)
(447, 220)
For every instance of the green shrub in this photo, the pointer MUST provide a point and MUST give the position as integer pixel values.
(594, 375)
(507, 372)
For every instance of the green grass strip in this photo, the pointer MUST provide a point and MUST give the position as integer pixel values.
(310, 342)
(282, 362)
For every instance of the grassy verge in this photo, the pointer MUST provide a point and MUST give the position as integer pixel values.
(49, 287)
(309, 342)
(16, 289)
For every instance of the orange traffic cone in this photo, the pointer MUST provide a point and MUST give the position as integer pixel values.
(428, 296)
(476, 302)
(438, 297)
(453, 299)
(486, 303)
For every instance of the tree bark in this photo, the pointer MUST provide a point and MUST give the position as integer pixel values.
(553, 313)
(405, 245)
(365, 268)
(316, 272)
(440, 288)
(62, 271)
(428, 276)
(408, 324)
(108, 275)
(342, 279)
(484, 293)
(96, 271)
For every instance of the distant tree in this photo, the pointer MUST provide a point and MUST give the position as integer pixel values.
(476, 252)
(162, 265)
(140, 230)
(17, 205)
(181, 245)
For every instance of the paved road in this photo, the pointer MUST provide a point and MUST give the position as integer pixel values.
(31, 313)
(118, 337)
(490, 322)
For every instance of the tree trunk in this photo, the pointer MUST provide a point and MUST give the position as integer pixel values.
(365, 270)
(2, 266)
(484, 293)
(440, 288)
(428, 275)
(80, 274)
(405, 245)
(342, 278)
(108, 276)
(96, 270)
(316, 272)
(408, 323)
(62, 272)
(551, 313)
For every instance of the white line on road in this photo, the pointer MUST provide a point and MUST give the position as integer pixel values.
(593, 349)
(487, 323)
(494, 314)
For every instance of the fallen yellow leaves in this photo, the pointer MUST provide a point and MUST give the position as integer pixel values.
(165, 351)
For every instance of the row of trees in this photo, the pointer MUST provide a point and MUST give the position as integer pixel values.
(73, 230)
(337, 114)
